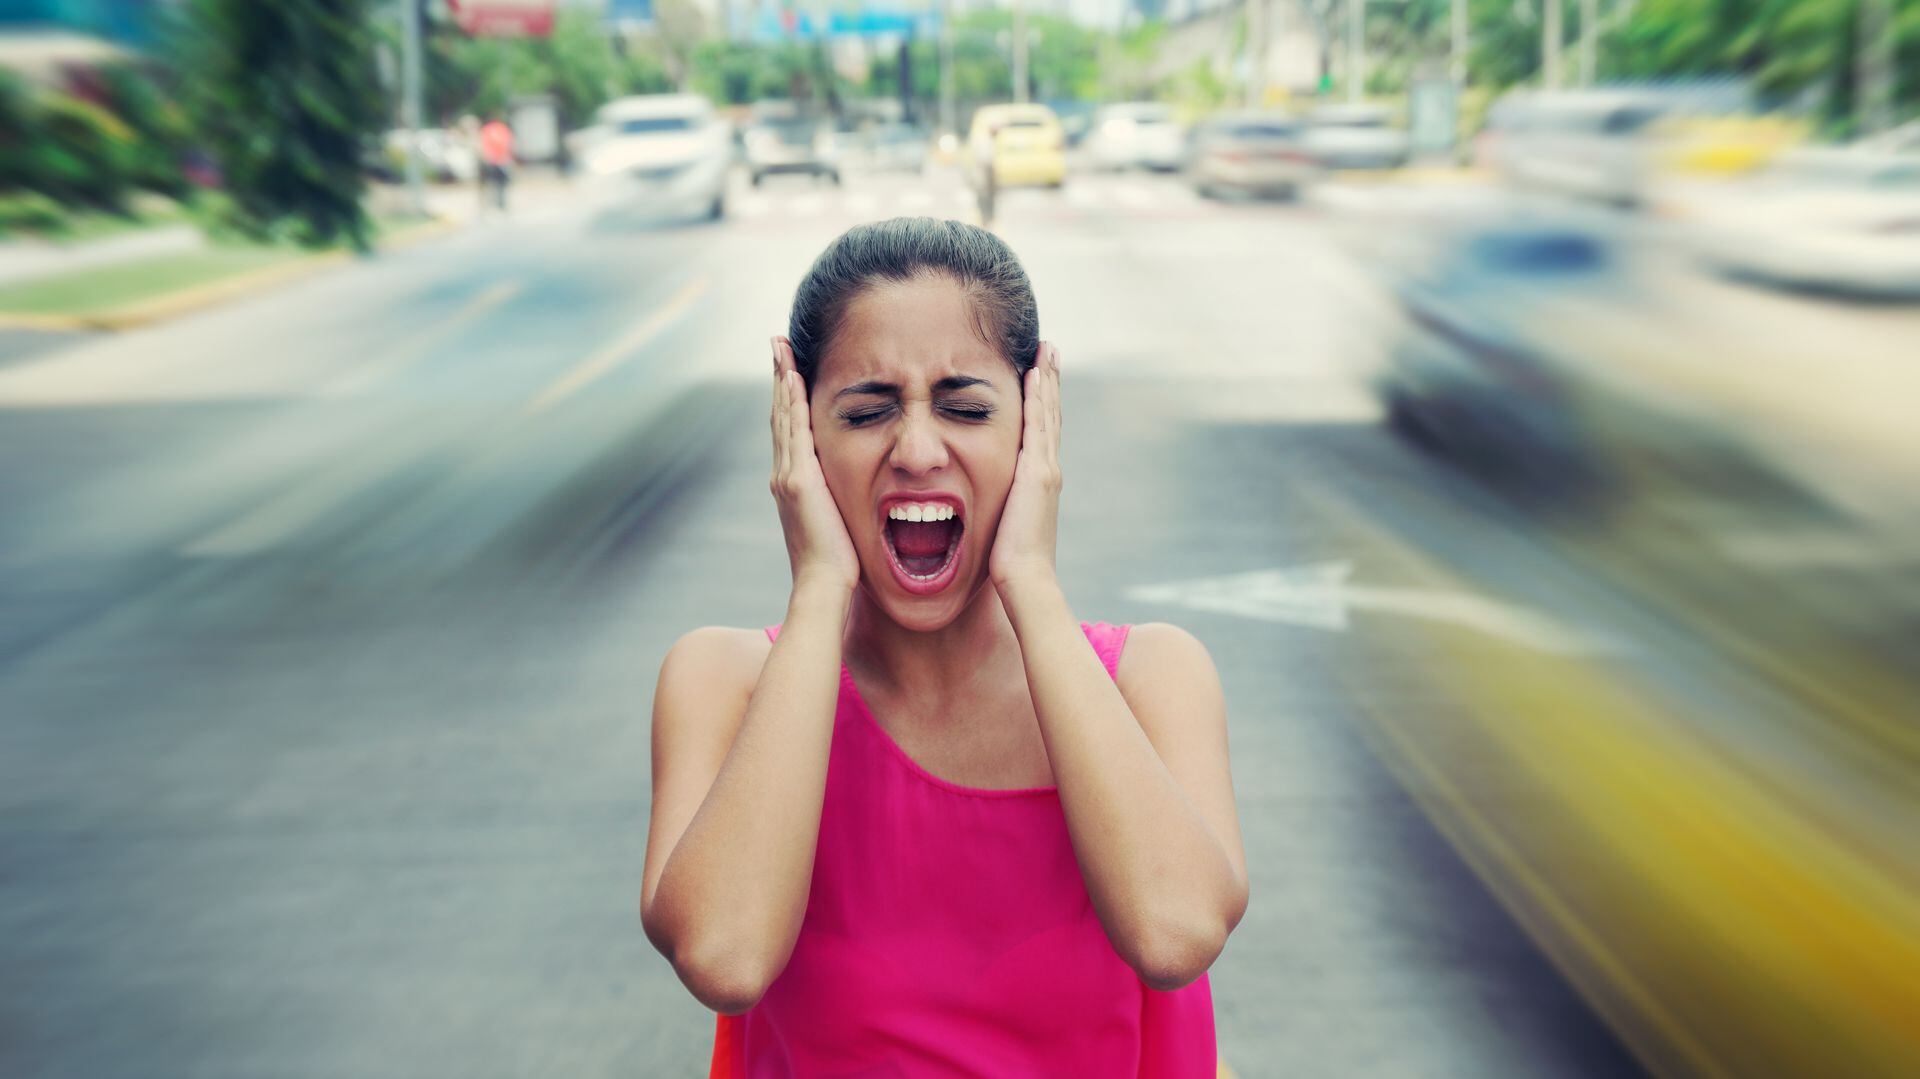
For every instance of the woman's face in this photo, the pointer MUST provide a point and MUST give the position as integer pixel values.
(916, 421)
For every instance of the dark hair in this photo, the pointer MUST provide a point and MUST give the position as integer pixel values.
(905, 248)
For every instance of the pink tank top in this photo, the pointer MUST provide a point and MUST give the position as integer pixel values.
(949, 933)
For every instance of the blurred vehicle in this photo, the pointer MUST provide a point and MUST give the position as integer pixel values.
(445, 156)
(1259, 153)
(662, 154)
(1076, 119)
(1590, 144)
(1842, 220)
(796, 146)
(1572, 359)
(1139, 135)
(896, 147)
(1018, 145)
(1356, 137)
(1473, 374)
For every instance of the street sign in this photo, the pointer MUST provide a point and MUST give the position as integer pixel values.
(503, 18)
(626, 12)
(789, 22)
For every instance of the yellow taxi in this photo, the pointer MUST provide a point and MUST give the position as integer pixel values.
(1023, 145)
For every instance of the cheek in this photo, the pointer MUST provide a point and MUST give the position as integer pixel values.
(847, 467)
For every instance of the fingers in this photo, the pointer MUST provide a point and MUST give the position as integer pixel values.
(800, 422)
(1031, 426)
(777, 418)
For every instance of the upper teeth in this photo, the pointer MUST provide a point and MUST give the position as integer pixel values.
(920, 511)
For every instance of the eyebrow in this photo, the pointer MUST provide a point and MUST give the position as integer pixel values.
(874, 387)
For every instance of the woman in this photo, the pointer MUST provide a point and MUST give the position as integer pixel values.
(932, 824)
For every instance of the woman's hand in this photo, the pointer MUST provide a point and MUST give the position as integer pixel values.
(1023, 547)
(818, 547)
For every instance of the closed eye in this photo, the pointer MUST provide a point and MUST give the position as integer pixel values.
(974, 413)
(863, 416)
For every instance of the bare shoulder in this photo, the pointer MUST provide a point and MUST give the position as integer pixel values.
(1161, 657)
(713, 663)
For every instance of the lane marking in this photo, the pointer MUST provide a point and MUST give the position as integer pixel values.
(400, 356)
(1321, 596)
(603, 362)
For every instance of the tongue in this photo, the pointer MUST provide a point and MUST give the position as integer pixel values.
(921, 545)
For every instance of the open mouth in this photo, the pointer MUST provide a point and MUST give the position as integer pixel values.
(923, 543)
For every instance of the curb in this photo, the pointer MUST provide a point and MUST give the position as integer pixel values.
(174, 304)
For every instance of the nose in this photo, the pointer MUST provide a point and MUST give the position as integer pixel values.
(917, 446)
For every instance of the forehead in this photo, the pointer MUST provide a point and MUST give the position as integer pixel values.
(913, 333)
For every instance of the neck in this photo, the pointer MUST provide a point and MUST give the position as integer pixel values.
(978, 644)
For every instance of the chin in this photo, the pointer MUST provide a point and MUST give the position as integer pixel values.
(926, 613)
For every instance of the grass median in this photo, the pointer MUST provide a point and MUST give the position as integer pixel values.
(145, 289)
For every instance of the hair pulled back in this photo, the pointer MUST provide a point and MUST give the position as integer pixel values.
(903, 249)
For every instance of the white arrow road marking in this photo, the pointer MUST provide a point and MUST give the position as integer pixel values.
(1320, 596)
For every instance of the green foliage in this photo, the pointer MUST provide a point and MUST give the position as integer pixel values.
(91, 151)
(286, 98)
(32, 212)
(161, 134)
(81, 154)
(736, 73)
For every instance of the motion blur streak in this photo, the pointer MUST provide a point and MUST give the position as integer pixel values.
(1529, 437)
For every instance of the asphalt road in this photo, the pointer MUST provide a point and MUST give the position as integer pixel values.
(329, 622)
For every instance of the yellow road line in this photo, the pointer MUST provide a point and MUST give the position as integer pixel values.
(605, 360)
(406, 352)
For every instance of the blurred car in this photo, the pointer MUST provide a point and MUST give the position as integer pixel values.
(1139, 135)
(1018, 145)
(797, 146)
(896, 147)
(1589, 144)
(1841, 220)
(1476, 372)
(1252, 153)
(656, 154)
(1356, 137)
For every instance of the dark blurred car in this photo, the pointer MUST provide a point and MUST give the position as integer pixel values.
(797, 146)
(1251, 153)
(1475, 374)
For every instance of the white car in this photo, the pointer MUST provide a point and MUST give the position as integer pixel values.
(1845, 221)
(658, 154)
(1595, 145)
(1140, 135)
(1356, 137)
(1253, 153)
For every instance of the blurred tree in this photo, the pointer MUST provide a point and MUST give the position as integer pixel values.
(161, 134)
(17, 117)
(79, 153)
(286, 97)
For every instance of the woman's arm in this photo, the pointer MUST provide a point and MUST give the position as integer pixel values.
(1144, 782)
(731, 844)
(1141, 764)
(730, 852)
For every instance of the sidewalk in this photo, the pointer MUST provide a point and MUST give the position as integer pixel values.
(158, 274)
(22, 260)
